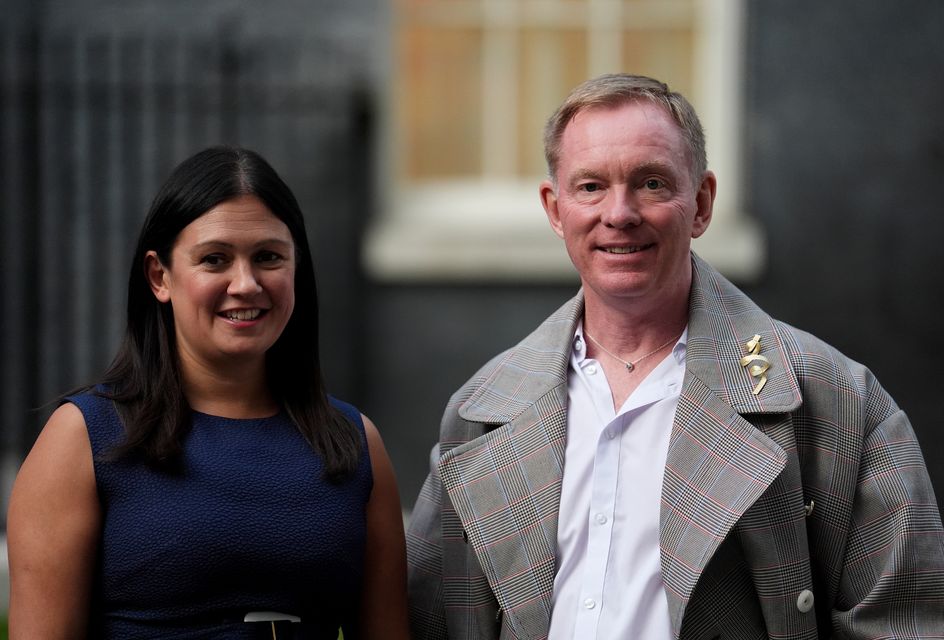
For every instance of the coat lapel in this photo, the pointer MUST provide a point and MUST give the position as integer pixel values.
(718, 463)
(505, 485)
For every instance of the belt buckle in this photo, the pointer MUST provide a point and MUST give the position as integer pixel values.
(272, 617)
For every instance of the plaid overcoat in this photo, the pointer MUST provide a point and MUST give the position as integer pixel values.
(804, 511)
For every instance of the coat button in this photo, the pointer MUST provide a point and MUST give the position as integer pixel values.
(805, 601)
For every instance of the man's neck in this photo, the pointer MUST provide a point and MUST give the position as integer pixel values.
(631, 338)
(634, 326)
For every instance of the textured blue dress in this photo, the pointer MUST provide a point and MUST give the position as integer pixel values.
(250, 525)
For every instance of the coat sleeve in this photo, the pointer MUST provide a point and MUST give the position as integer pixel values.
(425, 559)
(892, 579)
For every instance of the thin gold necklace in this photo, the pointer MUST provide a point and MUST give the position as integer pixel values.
(630, 366)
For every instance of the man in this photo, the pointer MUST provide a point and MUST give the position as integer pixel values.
(661, 458)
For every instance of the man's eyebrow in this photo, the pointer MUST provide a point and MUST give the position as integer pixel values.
(653, 166)
(582, 174)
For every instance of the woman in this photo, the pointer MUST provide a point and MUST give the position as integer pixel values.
(208, 479)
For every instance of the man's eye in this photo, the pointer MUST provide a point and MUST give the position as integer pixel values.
(653, 183)
(590, 187)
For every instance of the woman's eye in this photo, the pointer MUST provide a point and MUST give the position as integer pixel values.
(212, 260)
(268, 257)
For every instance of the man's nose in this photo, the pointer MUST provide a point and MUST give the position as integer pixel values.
(620, 210)
(244, 280)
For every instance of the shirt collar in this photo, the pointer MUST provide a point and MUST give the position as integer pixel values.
(578, 352)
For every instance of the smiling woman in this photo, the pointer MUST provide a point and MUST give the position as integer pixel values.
(230, 282)
(208, 486)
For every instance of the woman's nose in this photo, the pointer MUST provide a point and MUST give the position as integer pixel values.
(244, 280)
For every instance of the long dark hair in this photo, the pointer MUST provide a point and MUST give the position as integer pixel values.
(144, 378)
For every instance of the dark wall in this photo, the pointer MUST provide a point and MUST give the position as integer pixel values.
(844, 147)
(846, 157)
(99, 100)
(424, 342)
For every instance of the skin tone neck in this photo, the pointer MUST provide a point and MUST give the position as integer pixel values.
(631, 335)
(633, 332)
(244, 393)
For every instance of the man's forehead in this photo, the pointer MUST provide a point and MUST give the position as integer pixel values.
(631, 107)
(627, 122)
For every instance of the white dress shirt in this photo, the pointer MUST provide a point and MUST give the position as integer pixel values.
(609, 578)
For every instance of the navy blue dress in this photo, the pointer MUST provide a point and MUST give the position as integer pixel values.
(250, 525)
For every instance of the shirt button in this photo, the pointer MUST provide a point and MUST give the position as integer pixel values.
(591, 369)
(609, 434)
(589, 603)
(601, 518)
(805, 601)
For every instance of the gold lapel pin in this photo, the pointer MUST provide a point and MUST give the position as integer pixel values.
(757, 365)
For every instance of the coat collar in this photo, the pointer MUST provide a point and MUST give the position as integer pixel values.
(515, 535)
(528, 372)
(721, 321)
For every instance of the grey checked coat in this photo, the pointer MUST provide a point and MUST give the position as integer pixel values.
(740, 555)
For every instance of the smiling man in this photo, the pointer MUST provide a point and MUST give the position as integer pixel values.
(660, 458)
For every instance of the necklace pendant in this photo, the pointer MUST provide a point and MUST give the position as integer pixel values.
(629, 366)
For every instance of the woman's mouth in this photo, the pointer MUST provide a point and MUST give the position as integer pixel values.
(242, 315)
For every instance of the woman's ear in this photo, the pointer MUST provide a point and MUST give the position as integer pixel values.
(157, 276)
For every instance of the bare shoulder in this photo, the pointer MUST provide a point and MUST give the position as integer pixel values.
(379, 458)
(59, 468)
(53, 523)
(374, 439)
(62, 443)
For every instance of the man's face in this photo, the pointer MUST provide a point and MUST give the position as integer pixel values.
(625, 203)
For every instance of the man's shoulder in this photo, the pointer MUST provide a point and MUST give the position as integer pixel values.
(813, 356)
(827, 377)
(729, 317)
(543, 352)
(726, 305)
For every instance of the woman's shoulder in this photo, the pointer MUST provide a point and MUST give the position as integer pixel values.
(97, 407)
(349, 411)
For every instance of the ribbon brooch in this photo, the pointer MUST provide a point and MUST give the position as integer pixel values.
(757, 365)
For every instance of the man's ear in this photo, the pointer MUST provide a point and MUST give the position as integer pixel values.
(705, 200)
(156, 276)
(549, 202)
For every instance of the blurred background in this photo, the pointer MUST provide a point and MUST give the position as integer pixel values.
(410, 130)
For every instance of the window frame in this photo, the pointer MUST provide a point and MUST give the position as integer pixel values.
(491, 227)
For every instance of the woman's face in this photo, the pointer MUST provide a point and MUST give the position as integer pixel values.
(230, 283)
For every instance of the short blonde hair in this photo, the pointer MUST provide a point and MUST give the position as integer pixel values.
(613, 90)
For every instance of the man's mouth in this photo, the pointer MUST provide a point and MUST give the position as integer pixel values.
(242, 314)
(632, 249)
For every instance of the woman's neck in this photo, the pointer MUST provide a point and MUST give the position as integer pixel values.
(241, 393)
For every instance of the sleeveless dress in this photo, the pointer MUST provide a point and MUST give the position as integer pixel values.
(250, 525)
